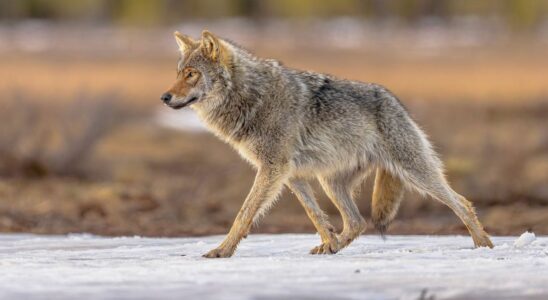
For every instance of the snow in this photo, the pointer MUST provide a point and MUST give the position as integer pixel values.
(186, 119)
(525, 239)
(270, 267)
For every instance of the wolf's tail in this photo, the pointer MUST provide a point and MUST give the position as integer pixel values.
(387, 196)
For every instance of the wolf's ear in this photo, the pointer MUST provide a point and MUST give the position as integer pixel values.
(211, 46)
(184, 42)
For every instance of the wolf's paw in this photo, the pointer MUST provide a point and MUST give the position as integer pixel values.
(326, 248)
(219, 253)
(482, 241)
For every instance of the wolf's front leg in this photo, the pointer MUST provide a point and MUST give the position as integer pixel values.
(267, 185)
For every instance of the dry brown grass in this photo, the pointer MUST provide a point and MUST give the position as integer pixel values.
(46, 138)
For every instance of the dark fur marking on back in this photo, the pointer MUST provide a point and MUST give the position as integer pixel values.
(320, 97)
(376, 94)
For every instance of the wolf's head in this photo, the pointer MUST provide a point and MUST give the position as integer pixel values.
(201, 71)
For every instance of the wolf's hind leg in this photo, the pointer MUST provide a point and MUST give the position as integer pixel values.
(387, 196)
(304, 193)
(339, 188)
(431, 181)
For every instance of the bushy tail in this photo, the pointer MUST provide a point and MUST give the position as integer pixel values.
(387, 196)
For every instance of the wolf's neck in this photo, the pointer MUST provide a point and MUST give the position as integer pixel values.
(232, 113)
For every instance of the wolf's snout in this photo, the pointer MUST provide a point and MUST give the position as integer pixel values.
(166, 97)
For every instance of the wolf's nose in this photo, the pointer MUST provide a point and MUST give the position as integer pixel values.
(166, 97)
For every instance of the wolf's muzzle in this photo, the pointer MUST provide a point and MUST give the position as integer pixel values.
(184, 104)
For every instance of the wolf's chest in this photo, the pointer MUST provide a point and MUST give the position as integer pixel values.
(247, 152)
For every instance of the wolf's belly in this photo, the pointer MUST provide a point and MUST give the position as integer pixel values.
(307, 163)
(333, 152)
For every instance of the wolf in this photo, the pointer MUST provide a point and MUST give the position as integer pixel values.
(294, 126)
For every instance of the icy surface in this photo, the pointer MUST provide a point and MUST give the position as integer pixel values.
(269, 267)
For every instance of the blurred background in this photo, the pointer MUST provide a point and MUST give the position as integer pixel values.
(85, 145)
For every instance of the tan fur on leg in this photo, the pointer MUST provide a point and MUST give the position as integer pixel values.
(434, 184)
(268, 183)
(387, 196)
(338, 187)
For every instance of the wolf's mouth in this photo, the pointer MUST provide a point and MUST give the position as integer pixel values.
(181, 105)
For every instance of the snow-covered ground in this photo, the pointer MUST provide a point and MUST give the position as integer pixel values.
(271, 267)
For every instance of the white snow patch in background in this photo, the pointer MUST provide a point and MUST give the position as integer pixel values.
(181, 119)
(525, 239)
(269, 267)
